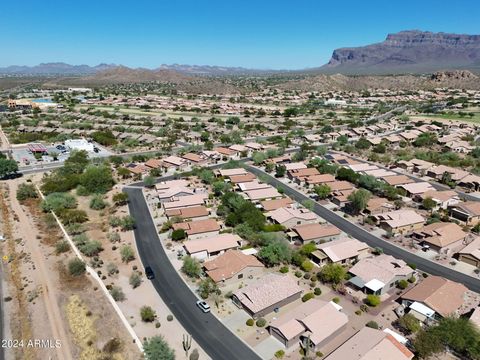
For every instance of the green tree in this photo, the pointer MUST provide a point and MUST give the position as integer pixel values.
(372, 300)
(26, 191)
(322, 191)
(359, 200)
(428, 203)
(7, 167)
(362, 143)
(76, 267)
(149, 181)
(191, 267)
(258, 157)
(280, 171)
(147, 314)
(156, 348)
(275, 253)
(409, 323)
(333, 273)
(206, 287)
(178, 234)
(97, 179)
(127, 254)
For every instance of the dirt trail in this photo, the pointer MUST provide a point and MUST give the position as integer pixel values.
(26, 230)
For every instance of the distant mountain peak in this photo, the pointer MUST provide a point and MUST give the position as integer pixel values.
(55, 68)
(409, 51)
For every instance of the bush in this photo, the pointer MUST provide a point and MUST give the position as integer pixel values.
(250, 322)
(284, 269)
(307, 265)
(336, 300)
(317, 291)
(191, 267)
(413, 266)
(127, 223)
(298, 274)
(412, 279)
(57, 202)
(117, 293)
(308, 296)
(409, 323)
(147, 314)
(261, 322)
(372, 324)
(26, 191)
(169, 317)
(280, 354)
(120, 199)
(112, 268)
(307, 276)
(358, 312)
(178, 234)
(402, 284)
(73, 216)
(114, 237)
(91, 248)
(194, 355)
(127, 253)
(157, 348)
(61, 246)
(135, 279)
(97, 203)
(81, 191)
(76, 267)
(372, 300)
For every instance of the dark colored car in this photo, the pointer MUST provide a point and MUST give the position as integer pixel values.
(149, 273)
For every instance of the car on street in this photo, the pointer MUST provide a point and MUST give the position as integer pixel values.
(203, 306)
(149, 273)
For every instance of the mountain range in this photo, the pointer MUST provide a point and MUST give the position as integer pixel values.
(411, 52)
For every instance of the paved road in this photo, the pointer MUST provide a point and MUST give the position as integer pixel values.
(372, 240)
(217, 341)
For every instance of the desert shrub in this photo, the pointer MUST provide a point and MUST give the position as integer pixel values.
(317, 291)
(307, 265)
(178, 234)
(72, 216)
(250, 322)
(114, 237)
(58, 202)
(97, 203)
(372, 324)
(114, 221)
(127, 223)
(112, 268)
(61, 246)
(284, 269)
(412, 279)
(117, 293)
(127, 253)
(409, 323)
(194, 355)
(372, 300)
(191, 267)
(308, 296)
(91, 248)
(147, 314)
(336, 300)
(26, 191)
(261, 322)
(76, 267)
(156, 348)
(279, 354)
(169, 317)
(135, 279)
(298, 273)
(112, 346)
(402, 284)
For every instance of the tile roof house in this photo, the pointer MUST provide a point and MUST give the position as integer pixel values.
(399, 221)
(263, 194)
(252, 185)
(443, 198)
(270, 205)
(172, 183)
(470, 254)
(267, 294)
(194, 213)
(318, 320)
(437, 172)
(211, 246)
(314, 232)
(342, 251)
(470, 181)
(289, 216)
(248, 177)
(186, 201)
(295, 166)
(398, 180)
(170, 193)
(199, 228)
(173, 160)
(444, 237)
(371, 344)
(319, 179)
(378, 205)
(232, 172)
(433, 298)
(193, 158)
(467, 212)
(379, 274)
(233, 265)
(417, 188)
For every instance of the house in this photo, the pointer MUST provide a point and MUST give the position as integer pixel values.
(378, 205)
(194, 159)
(174, 161)
(467, 212)
(248, 177)
(226, 152)
(298, 175)
(289, 216)
(341, 251)
(295, 166)
(399, 221)
(252, 185)
(314, 233)
(443, 198)
(362, 167)
(340, 186)
(154, 163)
(475, 317)
(379, 274)
(193, 213)
(379, 173)
(397, 180)
(433, 298)
(470, 181)
(371, 344)
(186, 201)
(232, 266)
(199, 228)
(417, 188)
(315, 320)
(267, 294)
(437, 172)
(470, 254)
(170, 193)
(319, 179)
(137, 169)
(262, 194)
(207, 247)
(270, 205)
(171, 184)
(442, 237)
(232, 172)
(459, 146)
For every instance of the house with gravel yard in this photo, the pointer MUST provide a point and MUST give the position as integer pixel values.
(311, 181)
(314, 232)
(399, 221)
(417, 188)
(267, 294)
(252, 185)
(371, 344)
(470, 254)
(442, 237)
(257, 195)
(233, 266)
(467, 212)
(166, 195)
(442, 198)
(341, 251)
(290, 216)
(378, 205)
(398, 180)
(379, 274)
(270, 205)
(193, 213)
(433, 298)
(315, 320)
(208, 247)
(199, 228)
(186, 201)
(244, 178)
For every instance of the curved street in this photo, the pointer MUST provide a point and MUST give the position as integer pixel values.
(215, 339)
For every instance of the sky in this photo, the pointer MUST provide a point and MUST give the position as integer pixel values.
(261, 34)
